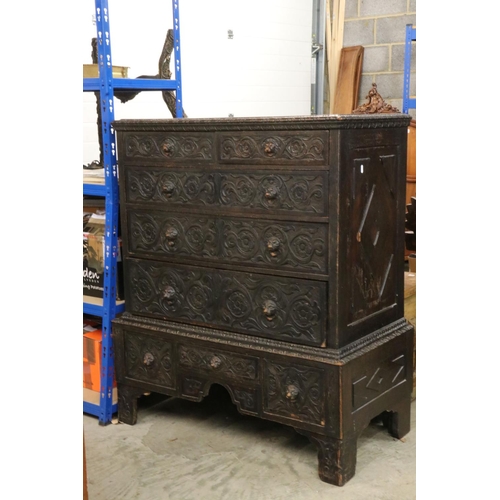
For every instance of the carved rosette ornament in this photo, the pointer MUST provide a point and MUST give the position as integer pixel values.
(375, 104)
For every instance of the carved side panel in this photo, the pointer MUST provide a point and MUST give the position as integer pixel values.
(374, 382)
(217, 362)
(299, 148)
(372, 240)
(169, 146)
(295, 392)
(282, 308)
(149, 359)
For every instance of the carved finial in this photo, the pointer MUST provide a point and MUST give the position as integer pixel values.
(375, 104)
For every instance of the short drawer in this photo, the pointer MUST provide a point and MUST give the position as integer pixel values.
(289, 309)
(261, 192)
(165, 147)
(266, 243)
(218, 363)
(295, 392)
(268, 147)
(148, 359)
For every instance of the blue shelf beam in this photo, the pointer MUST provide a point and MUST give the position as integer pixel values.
(97, 310)
(94, 84)
(411, 36)
(94, 190)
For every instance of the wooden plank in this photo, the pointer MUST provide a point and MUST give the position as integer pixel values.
(346, 93)
(336, 45)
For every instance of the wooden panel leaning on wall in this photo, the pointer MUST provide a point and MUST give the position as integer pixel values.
(411, 162)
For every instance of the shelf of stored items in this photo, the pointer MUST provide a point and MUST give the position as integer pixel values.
(104, 404)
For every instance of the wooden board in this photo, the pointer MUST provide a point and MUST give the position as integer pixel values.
(346, 92)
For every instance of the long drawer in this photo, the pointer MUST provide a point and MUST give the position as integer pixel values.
(288, 309)
(286, 193)
(265, 243)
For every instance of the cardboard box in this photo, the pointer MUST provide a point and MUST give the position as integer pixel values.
(92, 358)
(93, 257)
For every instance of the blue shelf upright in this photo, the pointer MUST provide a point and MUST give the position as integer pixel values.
(105, 85)
(411, 36)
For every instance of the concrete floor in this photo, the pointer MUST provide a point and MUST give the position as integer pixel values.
(180, 450)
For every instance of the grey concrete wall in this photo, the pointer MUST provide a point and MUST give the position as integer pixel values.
(380, 27)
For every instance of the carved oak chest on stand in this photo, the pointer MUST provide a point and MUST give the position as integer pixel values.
(267, 255)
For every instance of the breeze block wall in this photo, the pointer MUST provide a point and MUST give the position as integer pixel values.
(380, 27)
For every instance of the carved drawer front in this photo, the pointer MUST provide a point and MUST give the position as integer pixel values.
(304, 148)
(218, 363)
(148, 359)
(287, 192)
(290, 245)
(288, 309)
(294, 391)
(190, 147)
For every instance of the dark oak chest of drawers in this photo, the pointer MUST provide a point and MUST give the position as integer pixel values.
(267, 255)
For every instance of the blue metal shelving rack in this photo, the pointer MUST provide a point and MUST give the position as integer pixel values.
(105, 85)
(411, 36)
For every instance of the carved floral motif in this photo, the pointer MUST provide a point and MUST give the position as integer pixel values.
(236, 301)
(172, 146)
(285, 146)
(295, 392)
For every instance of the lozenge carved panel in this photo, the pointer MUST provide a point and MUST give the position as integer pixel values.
(371, 240)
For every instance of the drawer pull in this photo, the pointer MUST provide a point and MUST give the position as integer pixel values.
(171, 235)
(292, 391)
(271, 193)
(215, 362)
(270, 148)
(169, 293)
(168, 188)
(269, 309)
(273, 245)
(167, 149)
(148, 359)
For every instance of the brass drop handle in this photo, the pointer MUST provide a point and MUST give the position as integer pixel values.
(168, 188)
(148, 359)
(215, 362)
(269, 309)
(270, 148)
(273, 245)
(292, 392)
(271, 193)
(169, 293)
(171, 235)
